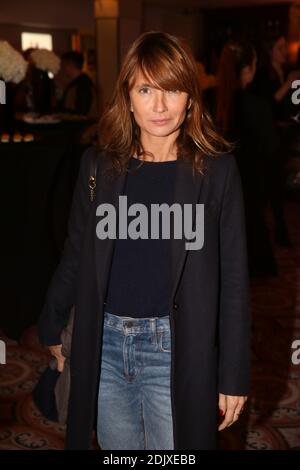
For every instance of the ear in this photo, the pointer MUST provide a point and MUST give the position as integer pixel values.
(131, 107)
(190, 104)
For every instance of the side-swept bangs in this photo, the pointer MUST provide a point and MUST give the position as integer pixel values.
(164, 66)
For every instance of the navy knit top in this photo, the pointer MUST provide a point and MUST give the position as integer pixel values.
(140, 277)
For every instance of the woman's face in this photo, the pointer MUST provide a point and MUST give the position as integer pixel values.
(158, 113)
(279, 51)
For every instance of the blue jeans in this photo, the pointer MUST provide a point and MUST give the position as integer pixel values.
(134, 401)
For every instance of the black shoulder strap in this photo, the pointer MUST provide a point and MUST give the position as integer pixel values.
(93, 175)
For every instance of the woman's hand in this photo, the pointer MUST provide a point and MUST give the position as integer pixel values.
(230, 407)
(56, 352)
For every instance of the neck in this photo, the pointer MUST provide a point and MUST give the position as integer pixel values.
(76, 74)
(162, 148)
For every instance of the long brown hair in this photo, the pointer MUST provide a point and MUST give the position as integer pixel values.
(234, 57)
(167, 62)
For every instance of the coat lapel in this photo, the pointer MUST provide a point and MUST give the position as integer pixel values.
(108, 192)
(187, 190)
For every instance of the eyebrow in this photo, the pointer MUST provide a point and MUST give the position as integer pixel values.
(144, 84)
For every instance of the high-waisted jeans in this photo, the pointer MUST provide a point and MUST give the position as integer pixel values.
(134, 402)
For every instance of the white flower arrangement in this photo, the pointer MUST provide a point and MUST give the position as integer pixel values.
(45, 60)
(12, 64)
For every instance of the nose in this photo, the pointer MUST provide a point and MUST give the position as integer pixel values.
(159, 103)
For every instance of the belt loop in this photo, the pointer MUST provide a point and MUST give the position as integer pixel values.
(153, 330)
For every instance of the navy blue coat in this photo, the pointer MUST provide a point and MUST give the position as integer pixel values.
(210, 317)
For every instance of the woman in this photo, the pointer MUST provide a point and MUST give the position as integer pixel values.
(161, 332)
(274, 83)
(274, 79)
(246, 119)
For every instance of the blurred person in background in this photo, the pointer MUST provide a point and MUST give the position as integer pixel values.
(35, 92)
(246, 120)
(275, 77)
(79, 95)
(273, 83)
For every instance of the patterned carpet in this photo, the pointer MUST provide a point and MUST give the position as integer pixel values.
(270, 421)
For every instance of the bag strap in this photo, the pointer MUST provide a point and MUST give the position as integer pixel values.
(93, 175)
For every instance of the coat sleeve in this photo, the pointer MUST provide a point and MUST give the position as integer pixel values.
(234, 319)
(61, 291)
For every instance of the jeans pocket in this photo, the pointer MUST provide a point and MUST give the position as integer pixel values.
(164, 341)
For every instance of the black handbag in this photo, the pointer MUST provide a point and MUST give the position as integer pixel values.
(51, 393)
(43, 394)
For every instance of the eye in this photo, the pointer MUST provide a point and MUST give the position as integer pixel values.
(173, 91)
(144, 90)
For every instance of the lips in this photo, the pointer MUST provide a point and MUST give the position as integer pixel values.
(160, 121)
